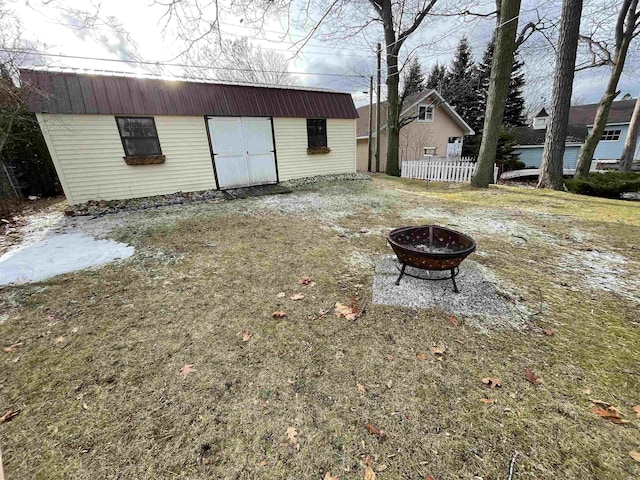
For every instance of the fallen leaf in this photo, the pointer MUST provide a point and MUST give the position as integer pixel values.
(635, 409)
(11, 348)
(381, 468)
(59, 339)
(292, 435)
(548, 332)
(388, 358)
(10, 415)
(635, 455)
(381, 434)
(355, 306)
(453, 320)
(345, 311)
(600, 402)
(279, 314)
(328, 476)
(439, 349)
(246, 336)
(186, 370)
(367, 460)
(488, 401)
(281, 295)
(74, 330)
(493, 382)
(262, 464)
(17, 359)
(429, 478)
(421, 356)
(297, 296)
(611, 413)
(85, 406)
(369, 474)
(532, 377)
(586, 391)
(306, 281)
(361, 388)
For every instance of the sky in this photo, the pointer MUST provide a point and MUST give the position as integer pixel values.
(330, 59)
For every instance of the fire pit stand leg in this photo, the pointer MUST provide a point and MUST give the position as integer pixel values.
(404, 265)
(453, 279)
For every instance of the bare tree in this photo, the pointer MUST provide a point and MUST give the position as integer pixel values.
(505, 46)
(555, 137)
(630, 144)
(397, 30)
(626, 29)
(239, 61)
(14, 52)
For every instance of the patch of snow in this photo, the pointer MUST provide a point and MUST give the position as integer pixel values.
(479, 220)
(59, 254)
(603, 271)
(361, 261)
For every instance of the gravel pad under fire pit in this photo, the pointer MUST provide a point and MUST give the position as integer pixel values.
(477, 295)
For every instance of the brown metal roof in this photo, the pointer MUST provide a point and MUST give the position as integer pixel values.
(63, 92)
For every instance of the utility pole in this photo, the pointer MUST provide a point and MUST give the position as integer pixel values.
(378, 113)
(370, 123)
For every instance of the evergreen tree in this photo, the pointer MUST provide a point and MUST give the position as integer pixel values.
(413, 79)
(514, 106)
(460, 85)
(436, 77)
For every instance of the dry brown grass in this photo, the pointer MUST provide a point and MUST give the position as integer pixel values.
(108, 401)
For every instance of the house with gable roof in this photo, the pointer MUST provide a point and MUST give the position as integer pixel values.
(531, 138)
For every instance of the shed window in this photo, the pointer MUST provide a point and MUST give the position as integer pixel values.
(139, 136)
(317, 132)
(425, 113)
(611, 135)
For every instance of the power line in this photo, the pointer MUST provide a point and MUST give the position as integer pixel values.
(167, 64)
(286, 50)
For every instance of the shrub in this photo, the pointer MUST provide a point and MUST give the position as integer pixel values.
(608, 184)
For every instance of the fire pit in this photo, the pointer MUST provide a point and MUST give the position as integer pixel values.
(430, 247)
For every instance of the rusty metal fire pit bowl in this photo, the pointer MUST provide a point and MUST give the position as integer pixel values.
(431, 248)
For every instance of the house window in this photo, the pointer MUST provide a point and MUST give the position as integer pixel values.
(611, 135)
(428, 151)
(139, 136)
(425, 113)
(317, 132)
(540, 122)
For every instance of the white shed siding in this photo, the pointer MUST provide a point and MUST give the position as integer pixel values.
(291, 148)
(87, 152)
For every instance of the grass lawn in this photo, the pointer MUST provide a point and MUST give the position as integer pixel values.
(98, 374)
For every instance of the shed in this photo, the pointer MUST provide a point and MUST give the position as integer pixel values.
(118, 137)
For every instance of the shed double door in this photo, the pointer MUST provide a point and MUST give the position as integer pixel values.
(243, 151)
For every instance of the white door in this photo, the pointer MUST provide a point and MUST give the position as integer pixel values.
(243, 151)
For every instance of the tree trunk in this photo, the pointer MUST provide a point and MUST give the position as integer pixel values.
(602, 113)
(393, 83)
(393, 119)
(498, 86)
(555, 138)
(631, 142)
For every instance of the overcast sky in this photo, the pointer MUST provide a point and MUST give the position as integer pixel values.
(343, 64)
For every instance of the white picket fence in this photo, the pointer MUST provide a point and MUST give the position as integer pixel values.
(442, 169)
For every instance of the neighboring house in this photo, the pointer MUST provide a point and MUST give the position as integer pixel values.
(122, 137)
(531, 139)
(435, 129)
